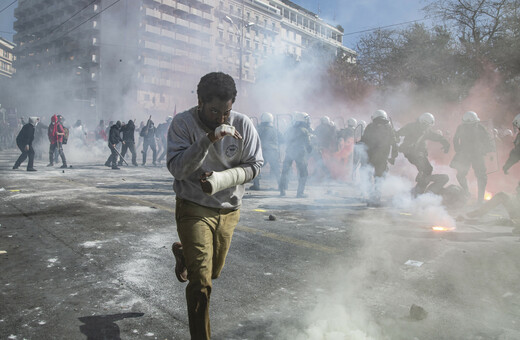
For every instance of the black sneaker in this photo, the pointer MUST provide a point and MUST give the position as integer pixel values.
(64, 166)
(15, 167)
(31, 169)
(50, 164)
(116, 168)
(180, 266)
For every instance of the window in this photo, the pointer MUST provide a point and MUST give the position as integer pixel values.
(147, 97)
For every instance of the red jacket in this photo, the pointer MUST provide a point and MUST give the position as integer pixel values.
(54, 129)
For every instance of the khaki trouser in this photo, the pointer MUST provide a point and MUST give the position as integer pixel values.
(205, 234)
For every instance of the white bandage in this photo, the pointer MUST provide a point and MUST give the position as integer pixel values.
(224, 130)
(220, 180)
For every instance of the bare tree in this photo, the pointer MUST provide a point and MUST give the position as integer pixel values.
(478, 21)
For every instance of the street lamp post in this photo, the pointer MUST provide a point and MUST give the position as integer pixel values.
(241, 45)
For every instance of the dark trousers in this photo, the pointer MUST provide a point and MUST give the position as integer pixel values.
(25, 153)
(112, 159)
(425, 169)
(303, 173)
(151, 144)
(462, 163)
(129, 146)
(52, 149)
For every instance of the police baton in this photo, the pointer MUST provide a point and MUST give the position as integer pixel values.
(122, 158)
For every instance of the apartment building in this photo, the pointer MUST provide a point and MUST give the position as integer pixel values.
(107, 59)
(7, 71)
(6, 59)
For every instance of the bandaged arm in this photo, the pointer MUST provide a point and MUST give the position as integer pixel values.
(220, 180)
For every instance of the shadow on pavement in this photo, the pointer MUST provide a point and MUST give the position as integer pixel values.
(103, 326)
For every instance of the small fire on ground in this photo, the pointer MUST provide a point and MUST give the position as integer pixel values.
(441, 228)
(488, 196)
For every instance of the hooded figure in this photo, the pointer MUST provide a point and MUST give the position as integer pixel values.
(128, 142)
(24, 142)
(149, 133)
(56, 133)
(114, 137)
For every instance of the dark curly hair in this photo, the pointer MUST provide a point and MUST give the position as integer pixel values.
(216, 84)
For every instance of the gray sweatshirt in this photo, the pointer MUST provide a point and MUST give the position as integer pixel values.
(190, 154)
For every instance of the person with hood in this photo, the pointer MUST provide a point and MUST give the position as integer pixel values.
(24, 142)
(380, 143)
(148, 133)
(298, 141)
(114, 137)
(56, 133)
(128, 142)
(471, 143)
(414, 148)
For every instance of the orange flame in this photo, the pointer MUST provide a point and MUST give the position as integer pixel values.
(488, 196)
(441, 228)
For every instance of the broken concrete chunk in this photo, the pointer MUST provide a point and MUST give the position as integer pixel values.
(417, 312)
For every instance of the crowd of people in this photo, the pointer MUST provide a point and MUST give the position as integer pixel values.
(120, 138)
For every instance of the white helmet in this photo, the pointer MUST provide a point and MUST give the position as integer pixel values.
(267, 118)
(352, 122)
(440, 133)
(362, 123)
(427, 119)
(301, 117)
(325, 120)
(508, 132)
(470, 117)
(516, 121)
(379, 114)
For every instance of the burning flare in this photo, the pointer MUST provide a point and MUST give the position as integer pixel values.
(441, 228)
(488, 196)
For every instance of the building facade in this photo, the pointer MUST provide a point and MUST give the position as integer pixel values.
(132, 59)
(7, 71)
(7, 58)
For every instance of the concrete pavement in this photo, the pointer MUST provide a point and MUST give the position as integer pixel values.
(85, 254)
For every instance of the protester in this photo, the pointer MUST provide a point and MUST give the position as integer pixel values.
(24, 142)
(212, 152)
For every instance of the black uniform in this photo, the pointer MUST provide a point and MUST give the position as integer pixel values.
(471, 143)
(270, 150)
(129, 141)
(514, 155)
(379, 140)
(24, 142)
(414, 149)
(114, 138)
(148, 133)
(298, 148)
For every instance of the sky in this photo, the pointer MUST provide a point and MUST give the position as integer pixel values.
(353, 15)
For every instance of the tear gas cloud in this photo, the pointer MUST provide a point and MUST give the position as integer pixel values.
(368, 296)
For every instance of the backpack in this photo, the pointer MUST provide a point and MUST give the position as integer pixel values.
(65, 135)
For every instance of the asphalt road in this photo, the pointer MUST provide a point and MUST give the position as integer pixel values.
(85, 254)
